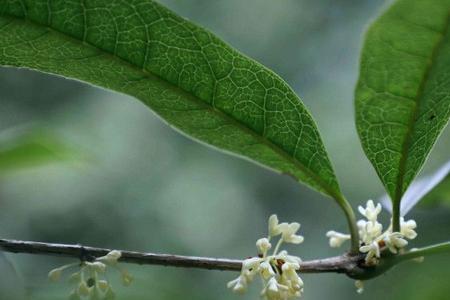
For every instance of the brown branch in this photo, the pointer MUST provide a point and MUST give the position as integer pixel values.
(340, 264)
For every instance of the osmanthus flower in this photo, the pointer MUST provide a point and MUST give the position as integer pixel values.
(371, 211)
(337, 238)
(279, 270)
(89, 280)
(407, 228)
(373, 241)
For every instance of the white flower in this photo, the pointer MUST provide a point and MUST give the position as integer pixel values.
(111, 258)
(274, 290)
(407, 228)
(263, 245)
(394, 241)
(127, 279)
(337, 238)
(359, 284)
(373, 252)
(274, 227)
(285, 229)
(83, 289)
(97, 266)
(369, 230)
(266, 270)
(250, 267)
(251, 263)
(371, 211)
(291, 279)
(288, 233)
(239, 285)
(103, 285)
(288, 258)
(278, 270)
(90, 279)
(55, 274)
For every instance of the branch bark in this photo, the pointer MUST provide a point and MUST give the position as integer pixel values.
(347, 264)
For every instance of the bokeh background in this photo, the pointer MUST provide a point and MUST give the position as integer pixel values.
(134, 183)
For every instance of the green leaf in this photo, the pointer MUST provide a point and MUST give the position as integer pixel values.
(189, 77)
(403, 93)
(31, 149)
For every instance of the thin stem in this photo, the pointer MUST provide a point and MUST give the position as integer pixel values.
(425, 251)
(396, 216)
(277, 247)
(340, 264)
(351, 221)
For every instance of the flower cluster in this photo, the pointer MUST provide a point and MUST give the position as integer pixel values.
(278, 271)
(373, 240)
(90, 280)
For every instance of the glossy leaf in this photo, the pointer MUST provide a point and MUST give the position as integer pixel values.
(403, 93)
(189, 77)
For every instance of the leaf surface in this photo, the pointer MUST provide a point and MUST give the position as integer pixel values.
(403, 92)
(189, 77)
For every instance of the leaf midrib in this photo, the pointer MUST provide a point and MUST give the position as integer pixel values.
(407, 143)
(331, 192)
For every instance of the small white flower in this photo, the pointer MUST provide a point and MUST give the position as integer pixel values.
(83, 289)
(288, 233)
(289, 258)
(238, 285)
(337, 238)
(373, 252)
(97, 266)
(274, 228)
(407, 228)
(251, 263)
(103, 285)
(278, 270)
(266, 270)
(273, 290)
(75, 277)
(369, 230)
(127, 279)
(371, 211)
(55, 274)
(111, 258)
(359, 284)
(263, 245)
(293, 281)
(250, 267)
(395, 241)
(89, 279)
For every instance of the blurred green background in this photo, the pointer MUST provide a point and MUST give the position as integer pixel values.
(137, 184)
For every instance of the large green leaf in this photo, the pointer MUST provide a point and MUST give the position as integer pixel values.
(189, 77)
(403, 93)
